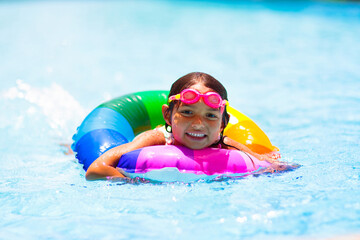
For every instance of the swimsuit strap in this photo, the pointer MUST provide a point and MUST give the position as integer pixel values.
(169, 138)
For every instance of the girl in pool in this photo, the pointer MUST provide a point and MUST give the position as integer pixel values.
(195, 117)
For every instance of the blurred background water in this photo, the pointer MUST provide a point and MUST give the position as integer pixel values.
(293, 67)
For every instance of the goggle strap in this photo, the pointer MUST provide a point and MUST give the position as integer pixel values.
(175, 97)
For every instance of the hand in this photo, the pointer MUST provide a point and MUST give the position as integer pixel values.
(270, 157)
(281, 167)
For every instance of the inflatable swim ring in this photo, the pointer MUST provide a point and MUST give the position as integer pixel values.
(169, 163)
(119, 120)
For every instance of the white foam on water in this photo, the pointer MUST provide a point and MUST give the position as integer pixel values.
(60, 109)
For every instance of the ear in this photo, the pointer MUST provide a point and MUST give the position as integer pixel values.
(222, 128)
(166, 114)
(225, 120)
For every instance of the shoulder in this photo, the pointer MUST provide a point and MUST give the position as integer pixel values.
(228, 140)
(229, 143)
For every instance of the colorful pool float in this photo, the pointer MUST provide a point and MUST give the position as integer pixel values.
(119, 120)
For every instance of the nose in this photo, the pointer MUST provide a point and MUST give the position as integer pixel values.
(197, 123)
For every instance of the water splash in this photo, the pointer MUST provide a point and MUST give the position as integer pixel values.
(60, 110)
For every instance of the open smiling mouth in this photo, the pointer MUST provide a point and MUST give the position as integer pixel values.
(197, 136)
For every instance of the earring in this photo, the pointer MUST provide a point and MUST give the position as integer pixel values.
(221, 136)
(168, 128)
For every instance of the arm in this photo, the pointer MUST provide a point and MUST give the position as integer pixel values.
(272, 158)
(105, 165)
(269, 157)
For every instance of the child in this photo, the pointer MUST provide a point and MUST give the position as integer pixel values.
(195, 117)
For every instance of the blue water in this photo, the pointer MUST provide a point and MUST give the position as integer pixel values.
(292, 67)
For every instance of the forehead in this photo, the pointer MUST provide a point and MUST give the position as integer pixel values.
(201, 88)
(200, 105)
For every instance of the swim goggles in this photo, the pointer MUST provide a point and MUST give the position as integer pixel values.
(191, 96)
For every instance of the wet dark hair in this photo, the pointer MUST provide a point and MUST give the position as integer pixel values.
(194, 78)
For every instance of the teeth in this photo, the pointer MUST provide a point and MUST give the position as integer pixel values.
(196, 134)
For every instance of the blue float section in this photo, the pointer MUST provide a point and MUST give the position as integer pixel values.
(128, 161)
(95, 143)
(104, 118)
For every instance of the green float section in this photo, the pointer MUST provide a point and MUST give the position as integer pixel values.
(142, 109)
(153, 101)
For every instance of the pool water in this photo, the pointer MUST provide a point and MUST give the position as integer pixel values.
(291, 67)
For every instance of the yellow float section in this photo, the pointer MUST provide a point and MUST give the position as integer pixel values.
(244, 130)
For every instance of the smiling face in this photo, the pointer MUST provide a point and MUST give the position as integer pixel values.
(197, 125)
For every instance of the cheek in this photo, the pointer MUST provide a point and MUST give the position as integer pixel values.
(178, 124)
(215, 124)
(215, 128)
(178, 130)
(177, 120)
